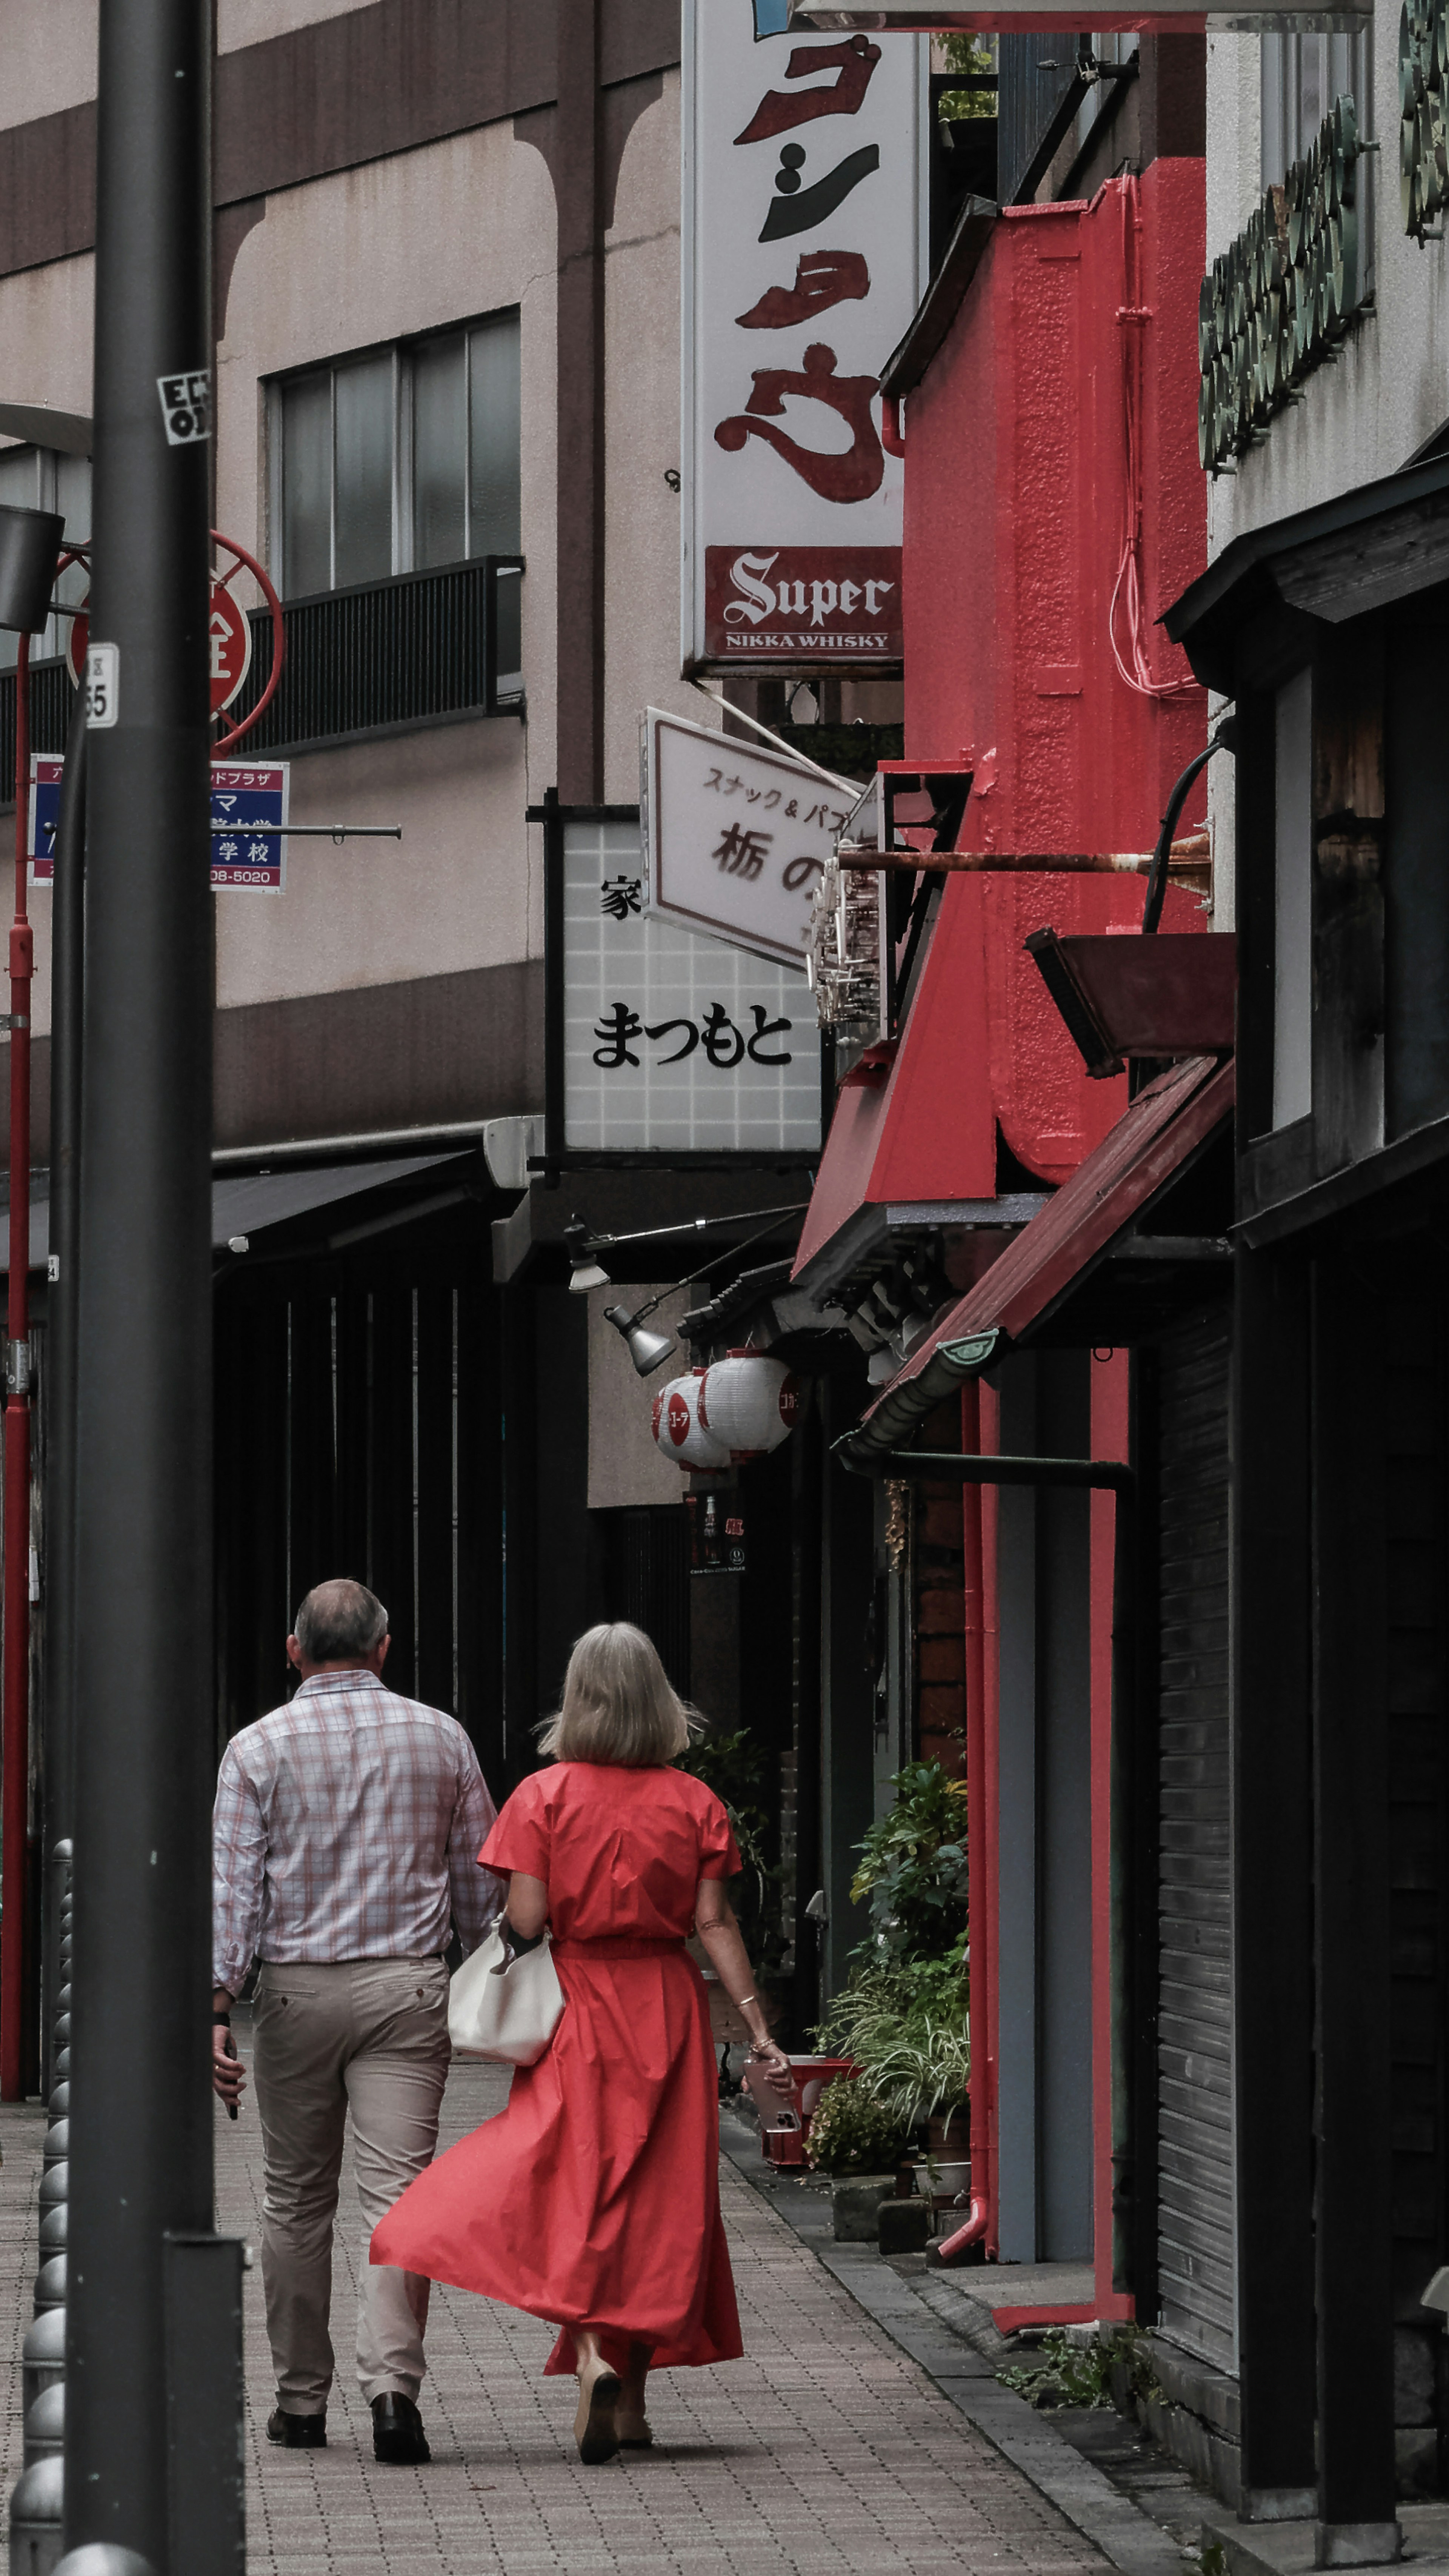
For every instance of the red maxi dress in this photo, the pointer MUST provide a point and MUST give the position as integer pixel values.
(593, 2199)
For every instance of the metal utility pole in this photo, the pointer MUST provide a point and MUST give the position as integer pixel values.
(151, 2328)
(67, 937)
(15, 1800)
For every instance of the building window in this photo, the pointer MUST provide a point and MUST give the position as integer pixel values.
(39, 478)
(1301, 78)
(397, 461)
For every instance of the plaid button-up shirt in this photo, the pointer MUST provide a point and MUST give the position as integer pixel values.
(348, 1826)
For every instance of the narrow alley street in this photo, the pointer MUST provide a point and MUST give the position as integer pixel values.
(826, 2449)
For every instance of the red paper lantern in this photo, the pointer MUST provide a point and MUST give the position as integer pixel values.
(748, 1403)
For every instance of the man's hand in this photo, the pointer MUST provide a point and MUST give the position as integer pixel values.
(228, 2077)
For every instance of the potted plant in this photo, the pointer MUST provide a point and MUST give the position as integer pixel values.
(904, 2014)
(851, 2132)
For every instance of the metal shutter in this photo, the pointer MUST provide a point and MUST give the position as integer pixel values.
(1194, 2053)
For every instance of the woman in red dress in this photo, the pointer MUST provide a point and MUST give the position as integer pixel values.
(593, 2199)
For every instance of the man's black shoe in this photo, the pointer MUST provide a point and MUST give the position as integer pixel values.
(397, 2432)
(297, 2432)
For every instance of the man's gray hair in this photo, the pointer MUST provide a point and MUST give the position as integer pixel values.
(339, 1618)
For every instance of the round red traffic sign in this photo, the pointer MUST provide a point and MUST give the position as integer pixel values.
(229, 640)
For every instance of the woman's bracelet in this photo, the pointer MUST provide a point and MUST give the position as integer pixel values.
(746, 1999)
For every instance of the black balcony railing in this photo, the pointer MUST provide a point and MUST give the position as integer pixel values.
(427, 648)
(388, 657)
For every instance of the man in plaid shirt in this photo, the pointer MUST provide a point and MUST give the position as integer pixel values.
(345, 1843)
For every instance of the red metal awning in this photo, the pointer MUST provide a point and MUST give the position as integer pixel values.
(1151, 1141)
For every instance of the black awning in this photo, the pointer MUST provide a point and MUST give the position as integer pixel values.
(1317, 567)
(248, 1206)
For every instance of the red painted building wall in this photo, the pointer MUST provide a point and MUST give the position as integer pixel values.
(1051, 465)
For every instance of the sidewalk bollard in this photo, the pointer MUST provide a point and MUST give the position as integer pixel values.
(59, 2104)
(36, 2507)
(54, 2187)
(62, 2030)
(103, 2558)
(54, 2230)
(61, 2068)
(50, 2285)
(57, 2144)
(45, 2426)
(42, 2356)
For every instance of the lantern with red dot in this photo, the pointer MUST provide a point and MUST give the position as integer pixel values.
(749, 1404)
(678, 1432)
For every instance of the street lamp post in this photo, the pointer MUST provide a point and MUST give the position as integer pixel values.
(152, 2345)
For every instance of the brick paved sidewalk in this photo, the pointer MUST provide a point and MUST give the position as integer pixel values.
(825, 2449)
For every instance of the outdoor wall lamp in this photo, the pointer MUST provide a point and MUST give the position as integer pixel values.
(646, 1349)
(30, 540)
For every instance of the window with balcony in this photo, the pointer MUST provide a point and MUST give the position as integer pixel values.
(395, 528)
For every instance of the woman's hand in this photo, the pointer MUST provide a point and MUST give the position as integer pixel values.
(777, 2066)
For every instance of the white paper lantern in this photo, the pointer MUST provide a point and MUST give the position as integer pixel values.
(678, 1431)
(748, 1403)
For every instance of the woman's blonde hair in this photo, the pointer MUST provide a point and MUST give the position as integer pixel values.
(617, 1703)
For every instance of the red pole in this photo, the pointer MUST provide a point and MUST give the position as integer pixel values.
(15, 1759)
(979, 2224)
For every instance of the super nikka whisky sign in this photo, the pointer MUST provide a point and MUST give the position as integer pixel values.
(803, 246)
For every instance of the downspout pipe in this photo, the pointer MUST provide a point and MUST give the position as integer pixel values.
(981, 2216)
(1109, 1475)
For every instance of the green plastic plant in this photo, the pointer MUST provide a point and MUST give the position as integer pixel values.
(912, 1868)
(852, 2132)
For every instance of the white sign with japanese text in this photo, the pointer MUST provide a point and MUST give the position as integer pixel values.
(674, 1041)
(737, 838)
(804, 227)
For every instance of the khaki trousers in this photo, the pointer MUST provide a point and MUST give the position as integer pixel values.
(369, 2036)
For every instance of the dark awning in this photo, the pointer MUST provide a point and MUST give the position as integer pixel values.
(247, 1206)
(1150, 1142)
(1314, 568)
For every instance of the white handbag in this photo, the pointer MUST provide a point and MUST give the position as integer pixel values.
(505, 2010)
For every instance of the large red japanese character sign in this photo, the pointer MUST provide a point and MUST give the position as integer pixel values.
(802, 219)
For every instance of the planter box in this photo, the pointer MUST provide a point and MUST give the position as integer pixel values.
(854, 2202)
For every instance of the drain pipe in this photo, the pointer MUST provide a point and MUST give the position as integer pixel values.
(981, 2214)
(1110, 1475)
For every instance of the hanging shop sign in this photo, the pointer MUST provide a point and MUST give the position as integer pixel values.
(248, 812)
(804, 227)
(662, 1039)
(1282, 297)
(737, 839)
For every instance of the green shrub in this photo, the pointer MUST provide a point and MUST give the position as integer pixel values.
(851, 2132)
(1062, 2372)
(913, 1867)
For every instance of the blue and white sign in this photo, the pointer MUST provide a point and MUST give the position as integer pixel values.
(242, 796)
(248, 809)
